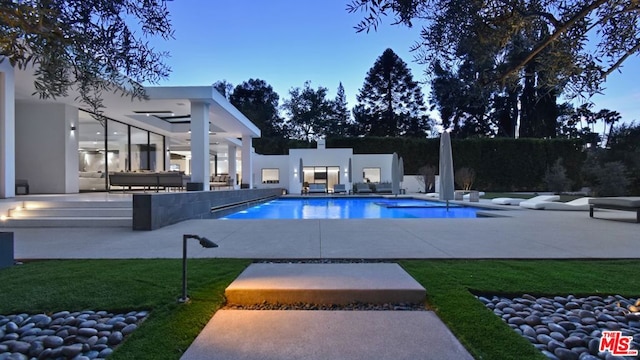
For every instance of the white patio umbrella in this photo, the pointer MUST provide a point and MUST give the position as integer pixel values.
(395, 179)
(447, 184)
(401, 170)
(300, 168)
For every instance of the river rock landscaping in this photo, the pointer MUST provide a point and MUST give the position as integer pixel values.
(65, 335)
(569, 328)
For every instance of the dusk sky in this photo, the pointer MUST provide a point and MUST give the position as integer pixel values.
(287, 42)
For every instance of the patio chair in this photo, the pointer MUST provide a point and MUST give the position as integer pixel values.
(362, 188)
(317, 188)
(624, 203)
(339, 188)
(538, 202)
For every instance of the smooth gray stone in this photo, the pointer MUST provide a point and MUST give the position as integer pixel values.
(106, 352)
(87, 332)
(11, 327)
(115, 338)
(20, 346)
(557, 336)
(60, 314)
(71, 351)
(87, 324)
(129, 329)
(574, 341)
(565, 354)
(544, 339)
(554, 344)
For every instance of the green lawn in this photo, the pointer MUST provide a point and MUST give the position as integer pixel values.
(123, 285)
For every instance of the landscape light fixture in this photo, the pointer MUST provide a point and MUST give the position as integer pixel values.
(205, 243)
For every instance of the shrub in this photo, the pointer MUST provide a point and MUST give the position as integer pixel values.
(605, 178)
(465, 177)
(427, 177)
(556, 178)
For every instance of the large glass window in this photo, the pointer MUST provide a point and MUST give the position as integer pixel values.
(156, 153)
(270, 176)
(117, 146)
(371, 175)
(139, 150)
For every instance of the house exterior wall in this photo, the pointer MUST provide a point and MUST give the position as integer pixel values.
(46, 147)
(317, 157)
(7, 130)
(382, 161)
(280, 162)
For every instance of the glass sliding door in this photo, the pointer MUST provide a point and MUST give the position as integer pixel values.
(91, 153)
(328, 175)
(117, 146)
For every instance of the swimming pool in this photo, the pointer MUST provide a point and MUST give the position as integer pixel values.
(353, 208)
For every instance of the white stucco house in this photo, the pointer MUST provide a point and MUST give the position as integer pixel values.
(58, 147)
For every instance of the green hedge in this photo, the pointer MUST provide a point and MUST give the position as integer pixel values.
(500, 164)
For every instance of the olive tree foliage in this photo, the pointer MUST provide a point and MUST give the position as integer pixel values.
(574, 43)
(88, 46)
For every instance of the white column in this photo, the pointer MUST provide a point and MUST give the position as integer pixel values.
(247, 161)
(46, 147)
(232, 164)
(200, 143)
(7, 131)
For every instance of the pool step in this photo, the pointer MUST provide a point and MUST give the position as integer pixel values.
(73, 213)
(325, 284)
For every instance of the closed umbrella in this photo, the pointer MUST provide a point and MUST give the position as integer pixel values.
(350, 171)
(401, 170)
(395, 179)
(447, 185)
(300, 172)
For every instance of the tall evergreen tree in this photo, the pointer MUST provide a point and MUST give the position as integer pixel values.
(340, 120)
(392, 100)
(259, 103)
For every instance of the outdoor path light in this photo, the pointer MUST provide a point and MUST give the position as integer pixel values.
(206, 243)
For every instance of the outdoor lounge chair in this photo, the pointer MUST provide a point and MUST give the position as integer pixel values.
(581, 204)
(317, 188)
(362, 188)
(384, 188)
(339, 188)
(538, 202)
(507, 201)
(616, 203)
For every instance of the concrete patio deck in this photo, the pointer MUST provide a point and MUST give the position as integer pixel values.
(515, 233)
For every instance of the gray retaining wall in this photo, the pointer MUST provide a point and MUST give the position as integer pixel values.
(154, 210)
(6, 249)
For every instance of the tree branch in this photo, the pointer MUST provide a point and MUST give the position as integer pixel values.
(621, 60)
(559, 31)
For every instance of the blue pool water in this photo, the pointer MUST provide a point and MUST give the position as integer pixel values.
(352, 208)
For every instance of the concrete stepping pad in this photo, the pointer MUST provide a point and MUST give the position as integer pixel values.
(311, 335)
(340, 284)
